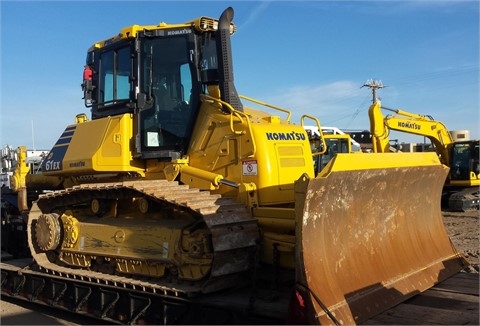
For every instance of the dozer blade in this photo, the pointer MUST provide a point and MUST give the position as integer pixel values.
(371, 235)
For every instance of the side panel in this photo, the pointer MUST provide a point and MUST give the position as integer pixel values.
(283, 155)
(265, 151)
(101, 145)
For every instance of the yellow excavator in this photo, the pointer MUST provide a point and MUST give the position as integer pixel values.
(175, 186)
(461, 190)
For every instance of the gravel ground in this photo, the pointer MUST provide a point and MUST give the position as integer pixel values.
(464, 230)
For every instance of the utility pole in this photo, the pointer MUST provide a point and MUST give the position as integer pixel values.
(374, 85)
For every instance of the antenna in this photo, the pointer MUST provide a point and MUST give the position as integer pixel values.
(33, 137)
(374, 85)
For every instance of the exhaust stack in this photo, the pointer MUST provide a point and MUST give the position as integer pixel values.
(224, 52)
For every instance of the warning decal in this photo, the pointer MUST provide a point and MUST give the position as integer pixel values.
(249, 167)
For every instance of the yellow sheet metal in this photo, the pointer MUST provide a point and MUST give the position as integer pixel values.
(371, 238)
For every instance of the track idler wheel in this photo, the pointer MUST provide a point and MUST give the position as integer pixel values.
(48, 232)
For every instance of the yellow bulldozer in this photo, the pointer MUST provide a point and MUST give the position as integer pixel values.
(175, 183)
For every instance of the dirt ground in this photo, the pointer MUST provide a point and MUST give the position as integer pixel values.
(464, 230)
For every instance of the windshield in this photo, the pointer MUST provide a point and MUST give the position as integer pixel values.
(465, 158)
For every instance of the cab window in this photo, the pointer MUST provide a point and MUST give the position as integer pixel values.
(114, 76)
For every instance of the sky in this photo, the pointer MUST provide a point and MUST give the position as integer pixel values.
(306, 56)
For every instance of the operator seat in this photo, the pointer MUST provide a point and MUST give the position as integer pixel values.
(164, 101)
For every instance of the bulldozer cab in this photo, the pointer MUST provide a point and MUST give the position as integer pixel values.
(156, 74)
(335, 143)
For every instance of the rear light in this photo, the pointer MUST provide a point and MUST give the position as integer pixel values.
(297, 309)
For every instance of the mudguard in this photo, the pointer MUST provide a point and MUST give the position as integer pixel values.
(370, 235)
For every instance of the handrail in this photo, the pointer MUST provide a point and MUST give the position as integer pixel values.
(317, 122)
(289, 114)
(237, 114)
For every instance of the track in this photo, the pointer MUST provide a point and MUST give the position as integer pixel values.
(233, 232)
